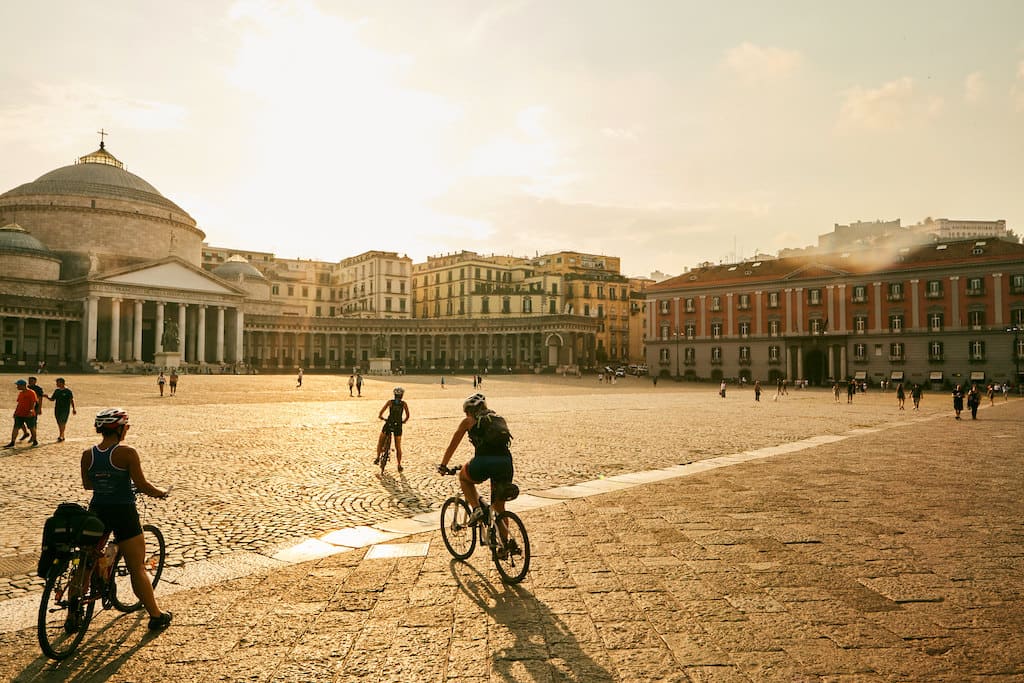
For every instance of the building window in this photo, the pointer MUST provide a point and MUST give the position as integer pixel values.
(935, 350)
(896, 351)
(600, 291)
(860, 351)
(317, 313)
(586, 310)
(485, 305)
(663, 307)
(506, 305)
(690, 329)
(586, 291)
(1017, 284)
(716, 355)
(744, 329)
(716, 303)
(1017, 316)
(933, 290)
(690, 355)
(773, 299)
(814, 297)
(664, 333)
(774, 353)
(860, 324)
(860, 294)
(744, 302)
(896, 323)
(976, 319)
(689, 305)
(552, 307)
(387, 304)
(275, 290)
(744, 355)
(401, 305)
(975, 286)
(527, 305)
(663, 356)
(291, 290)
(816, 326)
(976, 348)
(895, 291)
(448, 308)
(774, 327)
(305, 292)
(935, 322)
(716, 330)
(1019, 351)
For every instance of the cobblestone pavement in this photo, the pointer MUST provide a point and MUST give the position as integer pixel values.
(893, 551)
(257, 463)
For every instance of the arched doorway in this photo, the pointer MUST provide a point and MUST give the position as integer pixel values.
(815, 370)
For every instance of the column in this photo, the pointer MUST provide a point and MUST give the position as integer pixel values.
(115, 330)
(219, 357)
(843, 372)
(182, 328)
(239, 337)
(42, 339)
(728, 332)
(137, 332)
(830, 295)
(842, 310)
(787, 323)
(915, 320)
(92, 305)
(878, 307)
(62, 342)
(2, 345)
(997, 291)
(201, 335)
(800, 328)
(789, 362)
(702, 330)
(158, 343)
(19, 352)
(831, 362)
(954, 300)
(758, 318)
(799, 363)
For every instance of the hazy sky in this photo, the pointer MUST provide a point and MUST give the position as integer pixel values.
(664, 132)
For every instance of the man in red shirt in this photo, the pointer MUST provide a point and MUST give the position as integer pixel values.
(24, 412)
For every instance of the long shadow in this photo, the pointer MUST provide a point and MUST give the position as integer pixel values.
(405, 496)
(92, 661)
(560, 657)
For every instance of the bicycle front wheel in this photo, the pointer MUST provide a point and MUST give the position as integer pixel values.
(64, 611)
(512, 558)
(459, 537)
(121, 593)
(385, 451)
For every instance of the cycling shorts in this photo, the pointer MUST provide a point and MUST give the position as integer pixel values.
(493, 467)
(390, 428)
(119, 518)
(20, 422)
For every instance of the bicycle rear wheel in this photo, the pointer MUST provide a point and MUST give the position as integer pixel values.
(512, 558)
(459, 537)
(64, 611)
(120, 591)
(385, 451)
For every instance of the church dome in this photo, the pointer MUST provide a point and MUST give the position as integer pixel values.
(99, 174)
(237, 266)
(13, 237)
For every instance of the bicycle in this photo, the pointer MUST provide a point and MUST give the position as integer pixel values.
(504, 532)
(81, 576)
(384, 453)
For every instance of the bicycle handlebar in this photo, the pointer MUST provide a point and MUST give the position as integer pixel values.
(447, 471)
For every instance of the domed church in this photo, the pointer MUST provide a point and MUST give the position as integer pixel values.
(97, 267)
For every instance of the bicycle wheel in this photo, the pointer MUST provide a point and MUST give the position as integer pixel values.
(459, 537)
(512, 558)
(385, 451)
(119, 590)
(64, 611)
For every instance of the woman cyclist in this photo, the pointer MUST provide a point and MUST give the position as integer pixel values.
(398, 415)
(489, 461)
(108, 470)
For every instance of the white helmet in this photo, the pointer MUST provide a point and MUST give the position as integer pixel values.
(111, 417)
(474, 404)
(399, 392)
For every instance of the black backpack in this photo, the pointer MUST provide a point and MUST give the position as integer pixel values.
(493, 435)
(71, 526)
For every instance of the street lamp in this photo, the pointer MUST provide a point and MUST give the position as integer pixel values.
(1016, 329)
(677, 338)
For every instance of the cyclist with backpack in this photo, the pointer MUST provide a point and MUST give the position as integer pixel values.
(492, 458)
(398, 415)
(109, 469)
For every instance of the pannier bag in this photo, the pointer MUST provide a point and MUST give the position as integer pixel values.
(71, 526)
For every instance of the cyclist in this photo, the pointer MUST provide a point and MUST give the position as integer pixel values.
(398, 415)
(488, 462)
(109, 469)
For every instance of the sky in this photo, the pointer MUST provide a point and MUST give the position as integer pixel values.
(667, 133)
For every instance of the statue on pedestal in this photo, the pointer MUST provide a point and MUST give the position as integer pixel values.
(170, 339)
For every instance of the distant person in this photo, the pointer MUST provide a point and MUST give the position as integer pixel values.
(958, 400)
(901, 396)
(172, 381)
(973, 401)
(442, 381)
(161, 380)
(836, 391)
(398, 414)
(757, 391)
(63, 406)
(359, 384)
(24, 413)
(721, 389)
(851, 389)
(915, 395)
(40, 395)
(299, 385)
(351, 384)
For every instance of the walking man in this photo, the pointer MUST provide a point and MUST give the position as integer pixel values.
(24, 413)
(64, 405)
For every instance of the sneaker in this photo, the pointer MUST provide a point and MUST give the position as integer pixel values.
(479, 515)
(10, 445)
(376, 461)
(161, 622)
(24, 436)
(33, 442)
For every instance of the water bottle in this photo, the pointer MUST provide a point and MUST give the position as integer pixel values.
(106, 562)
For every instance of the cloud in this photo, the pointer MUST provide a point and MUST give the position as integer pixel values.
(756, 64)
(894, 105)
(974, 87)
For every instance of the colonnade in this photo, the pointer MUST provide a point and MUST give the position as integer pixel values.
(34, 338)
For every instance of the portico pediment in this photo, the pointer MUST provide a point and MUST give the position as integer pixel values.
(170, 274)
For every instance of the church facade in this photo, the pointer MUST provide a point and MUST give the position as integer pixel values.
(98, 270)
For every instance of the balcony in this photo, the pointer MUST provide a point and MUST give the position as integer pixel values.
(933, 295)
(1016, 289)
(935, 358)
(860, 359)
(716, 361)
(744, 361)
(976, 358)
(690, 361)
(859, 299)
(774, 361)
(975, 291)
(894, 297)
(897, 359)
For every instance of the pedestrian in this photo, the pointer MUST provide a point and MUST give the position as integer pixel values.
(161, 380)
(299, 385)
(835, 390)
(351, 383)
(851, 389)
(958, 400)
(397, 415)
(40, 394)
(172, 381)
(24, 413)
(654, 378)
(64, 405)
(785, 387)
(442, 381)
(721, 389)
(474, 381)
(479, 379)
(757, 391)
(901, 396)
(359, 383)
(973, 401)
(991, 394)
(915, 395)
